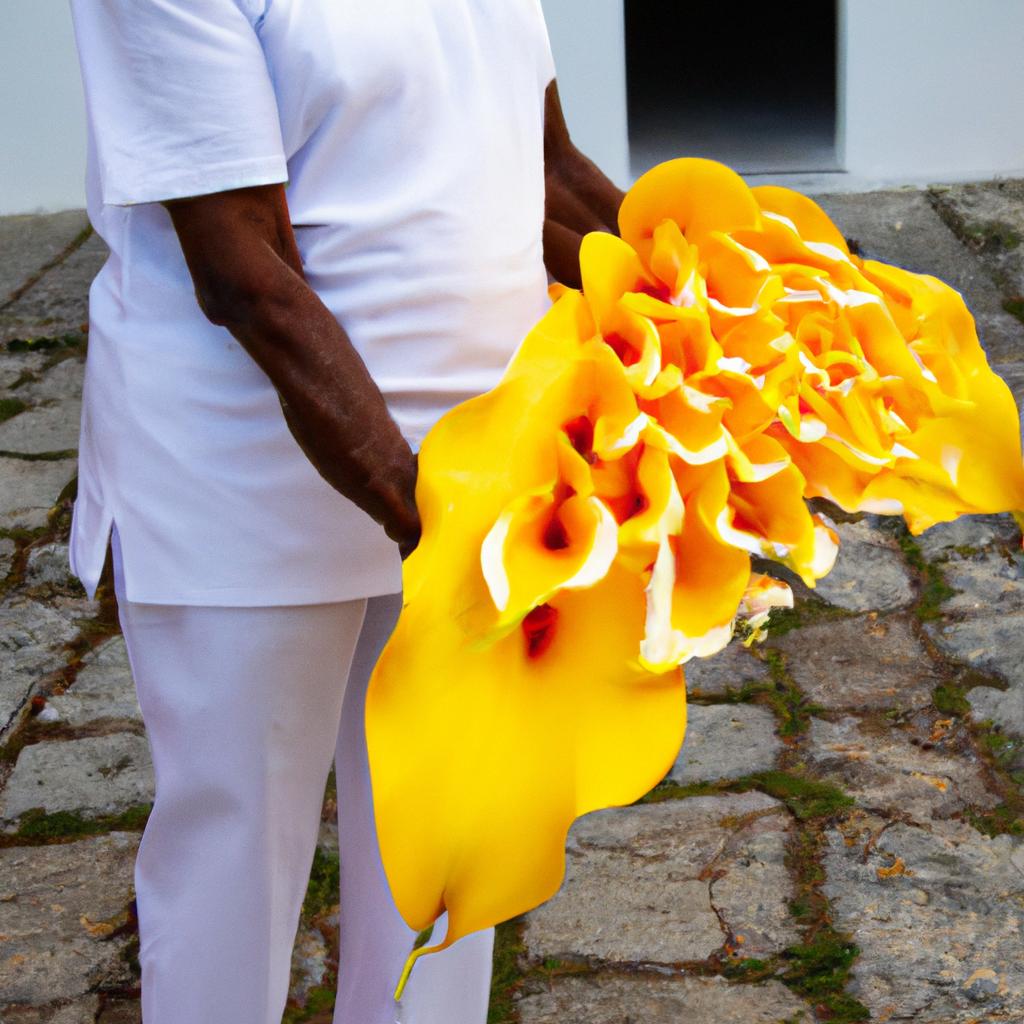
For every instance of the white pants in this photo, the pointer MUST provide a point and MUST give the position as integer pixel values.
(245, 709)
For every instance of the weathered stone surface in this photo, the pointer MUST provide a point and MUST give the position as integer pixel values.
(102, 690)
(80, 1011)
(28, 242)
(91, 776)
(46, 428)
(28, 490)
(725, 741)
(1005, 708)
(991, 643)
(7, 550)
(970, 533)
(121, 1011)
(902, 228)
(862, 662)
(644, 883)
(937, 915)
(48, 566)
(727, 670)
(57, 384)
(989, 217)
(16, 366)
(991, 582)
(607, 998)
(58, 303)
(883, 768)
(61, 905)
(32, 639)
(869, 574)
(309, 963)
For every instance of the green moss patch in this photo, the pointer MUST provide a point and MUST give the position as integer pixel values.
(38, 827)
(506, 976)
(11, 407)
(1015, 307)
(805, 797)
(322, 893)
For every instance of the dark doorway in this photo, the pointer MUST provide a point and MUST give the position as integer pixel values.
(752, 85)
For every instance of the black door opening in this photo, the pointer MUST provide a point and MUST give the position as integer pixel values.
(752, 85)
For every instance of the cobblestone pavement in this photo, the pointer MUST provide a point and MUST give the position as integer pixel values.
(842, 837)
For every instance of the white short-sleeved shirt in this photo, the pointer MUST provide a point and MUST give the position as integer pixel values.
(411, 138)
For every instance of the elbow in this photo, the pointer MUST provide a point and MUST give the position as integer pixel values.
(242, 300)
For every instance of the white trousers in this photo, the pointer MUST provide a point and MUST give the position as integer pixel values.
(245, 708)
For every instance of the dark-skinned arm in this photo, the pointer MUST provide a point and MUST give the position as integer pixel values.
(578, 196)
(245, 265)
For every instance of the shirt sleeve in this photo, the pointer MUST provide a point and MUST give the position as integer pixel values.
(178, 97)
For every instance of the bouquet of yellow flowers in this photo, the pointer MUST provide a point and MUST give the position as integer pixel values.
(588, 524)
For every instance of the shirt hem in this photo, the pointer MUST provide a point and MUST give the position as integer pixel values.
(183, 184)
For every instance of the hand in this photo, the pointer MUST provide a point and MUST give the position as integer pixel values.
(404, 527)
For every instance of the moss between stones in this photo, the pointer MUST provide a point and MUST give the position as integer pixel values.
(1015, 307)
(790, 704)
(319, 1004)
(950, 700)
(47, 343)
(805, 612)
(324, 883)
(934, 588)
(806, 797)
(36, 827)
(11, 407)
(506, 976)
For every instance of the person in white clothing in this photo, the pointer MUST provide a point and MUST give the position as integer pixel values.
(328, 224)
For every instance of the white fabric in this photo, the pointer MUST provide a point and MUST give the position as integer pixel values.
(244, 710)
(411, 136)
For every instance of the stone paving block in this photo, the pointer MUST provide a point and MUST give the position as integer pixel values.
(30, 488)
(14, 366)
(28, 242)
(991, 643)
(643, 883)
(989, 217)
(58, 303)
(48, 565)
(937, 915)
(881, 767)
(860, 663)
(102, 690)
(727, 670)
(7, 549)
(61, 904)
(32, 644)
(988, 583)
(47, 428)
(945, 540)
(902, 228)
(870, 573)
(57, 384)
(608, 998)
(92, 776)
(725, 741)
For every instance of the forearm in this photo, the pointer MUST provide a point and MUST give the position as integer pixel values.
(332, 405)
(579, 197)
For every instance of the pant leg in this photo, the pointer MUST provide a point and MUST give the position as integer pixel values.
(242, 709)
(451, 987)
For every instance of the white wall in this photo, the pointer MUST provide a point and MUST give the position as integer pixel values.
(42, 129)
(588, 38)
(932, 88)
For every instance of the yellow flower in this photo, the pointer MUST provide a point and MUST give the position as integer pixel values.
(588, 525)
